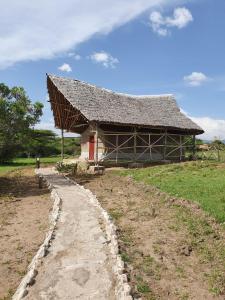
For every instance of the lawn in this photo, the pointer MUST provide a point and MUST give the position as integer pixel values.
(171, 248)
(202, 182)
(26, 162)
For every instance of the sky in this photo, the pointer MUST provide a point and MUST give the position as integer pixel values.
(136, 47)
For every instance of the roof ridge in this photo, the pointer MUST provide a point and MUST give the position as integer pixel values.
(115, 92)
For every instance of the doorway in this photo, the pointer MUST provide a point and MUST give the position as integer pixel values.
(91, 147)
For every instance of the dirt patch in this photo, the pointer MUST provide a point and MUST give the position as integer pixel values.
(171, 248)
(24, 211)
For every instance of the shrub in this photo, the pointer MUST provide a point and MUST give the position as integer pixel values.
(66, 168)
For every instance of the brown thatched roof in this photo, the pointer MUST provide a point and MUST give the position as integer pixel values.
(104, 106)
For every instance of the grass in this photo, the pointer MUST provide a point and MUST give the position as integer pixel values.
(26, 162)
(202, 182)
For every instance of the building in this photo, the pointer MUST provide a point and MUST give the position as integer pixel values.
(121, 128)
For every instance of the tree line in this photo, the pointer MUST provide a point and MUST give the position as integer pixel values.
(18, 138)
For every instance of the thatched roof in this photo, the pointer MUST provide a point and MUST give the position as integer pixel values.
(104, 106)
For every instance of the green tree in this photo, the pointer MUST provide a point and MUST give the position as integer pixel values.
(40, 142)
(17, 116)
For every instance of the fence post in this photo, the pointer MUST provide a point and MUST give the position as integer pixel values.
(218, 153)
(194, 147)
(37, 162)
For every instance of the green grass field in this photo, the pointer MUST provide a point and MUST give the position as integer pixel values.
(202, 182)
(26, 162)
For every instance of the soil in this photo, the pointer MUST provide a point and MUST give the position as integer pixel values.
(171, 248)
(24, 211)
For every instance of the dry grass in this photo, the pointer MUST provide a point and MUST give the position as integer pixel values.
(24, 211)
(171, 248)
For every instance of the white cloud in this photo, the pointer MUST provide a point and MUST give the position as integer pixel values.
(74, 56)
(77, 57)
(214, 128)
(196, 79)
(181, 18)
(33, 30)
(104, 58)
(65, 68)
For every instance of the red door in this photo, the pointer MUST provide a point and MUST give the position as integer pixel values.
(91, 147)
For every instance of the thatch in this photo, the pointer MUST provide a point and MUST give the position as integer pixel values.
(104, 106)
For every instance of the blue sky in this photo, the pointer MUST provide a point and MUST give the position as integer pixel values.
(135, 47)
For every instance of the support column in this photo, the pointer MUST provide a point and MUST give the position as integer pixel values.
(194, 147)
(135, 144)
(117, 144)
(165, 144)
(181, 148)
(62, 144)
(150, 149)
(96, 143)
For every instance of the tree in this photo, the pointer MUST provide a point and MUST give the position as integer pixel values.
(40, 142)
(17, 116)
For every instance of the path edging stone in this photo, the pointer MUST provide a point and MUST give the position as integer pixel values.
(32, 272)
(123, 289)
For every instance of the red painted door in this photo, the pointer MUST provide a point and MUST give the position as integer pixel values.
(91, 147)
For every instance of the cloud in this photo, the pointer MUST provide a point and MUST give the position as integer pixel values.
(104, 58)
(181, 18)
(33, 30)
(74, 56)
(196, 79)
(214, 128)
(65, 68)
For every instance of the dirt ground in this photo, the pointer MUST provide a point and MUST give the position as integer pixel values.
(24, 211)
(171, 249)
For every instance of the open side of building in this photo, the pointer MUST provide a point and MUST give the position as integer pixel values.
(118, 128)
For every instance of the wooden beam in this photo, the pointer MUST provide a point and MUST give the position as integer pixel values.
(181, 148)
(62, 144)
(96, 147)
(165, 145)
(135, 144)
(194, 146)
(117, 139)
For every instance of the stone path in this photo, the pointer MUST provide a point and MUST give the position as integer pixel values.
(78, 265)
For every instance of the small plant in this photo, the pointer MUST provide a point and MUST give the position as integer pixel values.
(142, 286)
(125, 257)
(115, 214)
(66, 168)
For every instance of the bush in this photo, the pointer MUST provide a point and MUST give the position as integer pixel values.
(66, 168)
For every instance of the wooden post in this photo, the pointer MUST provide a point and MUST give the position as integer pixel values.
(135, 144)
(96, 148)
(117, 144)
(37, 162)
(62, 144)
(150, 147)
(181, 148)
(165, 143)
(194, 147)
(218, 153)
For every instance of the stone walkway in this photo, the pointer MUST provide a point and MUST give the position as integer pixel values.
(78, 265)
